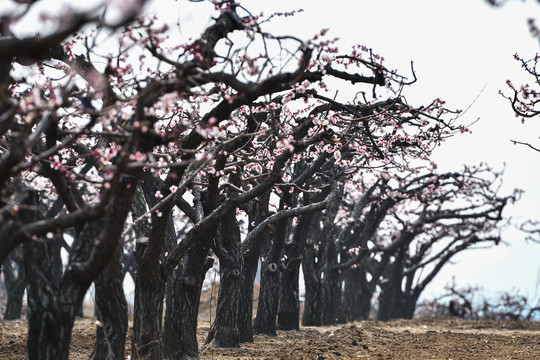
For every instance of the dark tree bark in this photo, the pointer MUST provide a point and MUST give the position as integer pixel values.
(186, 309)
(311, 271)
(15, 280)
(195, 259)
(391, 299)
(224, 331)
(409, 306)
(90, 253)
(265, 321)
(183, 301)
(57, 266)
(357, 294)
(357, 289)
(111, 309)
(188, 283)
(53, 306)
(252, 239)
(49, 325)
(289, 304)
(267, 306)
(271, 267)
(330, 303)
(173, 314)
(175, 342)
(50, 314)
(148, 304)
(258, 211)
(150, 280)
(16, 283)
(144, 195)
(331, 309)
(245, 297)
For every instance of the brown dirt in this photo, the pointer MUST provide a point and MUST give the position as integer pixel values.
(400, 339)
(403, 339)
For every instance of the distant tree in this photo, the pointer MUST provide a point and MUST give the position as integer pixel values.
(532, 228)
(395, 233)
(473, 304)
(15, 279)
(461, 211)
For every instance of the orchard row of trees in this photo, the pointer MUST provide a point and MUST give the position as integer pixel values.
(156, 157)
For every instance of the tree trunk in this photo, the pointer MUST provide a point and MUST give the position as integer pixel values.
(49, 329)
(289, 305)
(391, 298)
(15, 280)
(148, 308)
(391, 303)
(330, 309)
(331, 312)
(409, 307)
(311, 316)
(186, 298)
(52, 307)
(265, 322)
(184, 313)
(357, 294)
(111, 308)
(267, 308)
(363, 305)
(173, 314)
(145, 195)
(258, 211)
(245, 297)
(224, 331)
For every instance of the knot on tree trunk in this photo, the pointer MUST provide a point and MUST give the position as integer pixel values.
(236, 272)
(272, 267)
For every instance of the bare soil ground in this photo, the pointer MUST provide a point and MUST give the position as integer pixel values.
(400, 339)
(403, 339)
